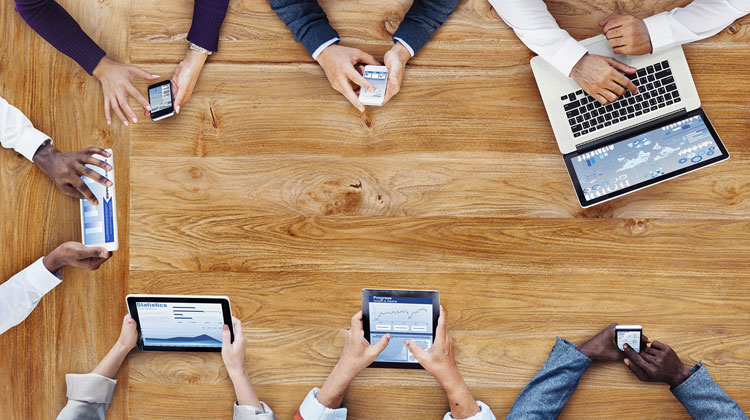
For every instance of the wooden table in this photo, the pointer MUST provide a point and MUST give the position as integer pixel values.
(271, 189)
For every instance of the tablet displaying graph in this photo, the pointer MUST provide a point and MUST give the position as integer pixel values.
(404, 314)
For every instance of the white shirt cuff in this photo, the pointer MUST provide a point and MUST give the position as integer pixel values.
(33, 138)
(568, 56)
(248, 412)
(408, 47)
(659, 30)
(484, 413)
(312, 409)
(40, 278)
(322, 47)
(90, 388)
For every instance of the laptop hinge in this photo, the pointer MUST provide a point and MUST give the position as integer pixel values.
(645, 125)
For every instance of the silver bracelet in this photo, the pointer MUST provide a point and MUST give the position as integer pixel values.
(200, 49)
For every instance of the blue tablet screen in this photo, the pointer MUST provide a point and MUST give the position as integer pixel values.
(404, 318)
(167, 324)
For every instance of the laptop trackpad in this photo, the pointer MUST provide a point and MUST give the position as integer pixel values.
(600, 46)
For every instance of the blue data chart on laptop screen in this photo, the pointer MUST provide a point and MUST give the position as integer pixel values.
(403, 318)
(168, 324)
(644, 157)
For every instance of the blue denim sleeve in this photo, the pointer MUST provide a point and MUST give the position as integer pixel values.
(546, 395)
(306, 20)
(422, 20)
(704, 399)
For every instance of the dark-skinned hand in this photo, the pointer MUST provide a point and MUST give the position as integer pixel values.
(603, 348)
(75, 254)
(66, 169)
(658, 363)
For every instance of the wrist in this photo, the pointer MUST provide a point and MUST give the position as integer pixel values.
(101, 68)
(195, 57)
(237, 372)
(122, 349)
(52, 262)
(45, 154)
(680, 377)
(401, 51)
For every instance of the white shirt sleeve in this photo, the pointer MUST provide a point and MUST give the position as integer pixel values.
(248, 412)
(323, 46)
(536, 27)
(20, 295)
(17, 132)
(698, 20)
(484, 413)
(89, 396)
(312, 409)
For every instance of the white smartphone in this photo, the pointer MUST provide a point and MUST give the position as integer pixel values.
(99, 223)
(630, 335)
(378, 76)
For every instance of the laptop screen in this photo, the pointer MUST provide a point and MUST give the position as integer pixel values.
(680, 145)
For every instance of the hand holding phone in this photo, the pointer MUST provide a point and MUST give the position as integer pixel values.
(378, 76)
(629, 334)
(160, 97)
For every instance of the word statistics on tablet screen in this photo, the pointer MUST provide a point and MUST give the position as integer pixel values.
(169, 324)
(404, 318)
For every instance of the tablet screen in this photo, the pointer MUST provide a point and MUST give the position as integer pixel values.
(652, 156)
(404, 318)
(172, 324)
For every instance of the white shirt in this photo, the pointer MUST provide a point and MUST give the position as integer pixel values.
(536, 27)
(17, 132)
(20, 295)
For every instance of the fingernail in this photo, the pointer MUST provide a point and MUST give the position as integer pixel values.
(148, 108)
(225, 327)
(627, 362)
(109, 183)
(135, 120)
(625, 346)
(109, 122)
(154, 75)
(109, 167)
(126, 123)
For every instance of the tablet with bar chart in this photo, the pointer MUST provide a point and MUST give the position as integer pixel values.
(99, 223)
(404, 314)
(180, 323)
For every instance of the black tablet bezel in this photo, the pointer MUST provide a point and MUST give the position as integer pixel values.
(225, 310)
(568, 158)
(159, 114)
(431, 294)
(640, 339)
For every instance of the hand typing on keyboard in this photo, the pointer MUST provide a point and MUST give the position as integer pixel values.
(601, 77)
(627, 35)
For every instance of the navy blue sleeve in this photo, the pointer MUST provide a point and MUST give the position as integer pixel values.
(422, 20)
(307, 21)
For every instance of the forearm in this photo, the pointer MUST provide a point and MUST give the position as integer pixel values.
(56, 26)
(422, 20)
(462, 403)
(17, 132)
(306, 20)
(111, 363)
(704, 399)
(332, 392)
(243, 389)
(21, 294)
(208, 16)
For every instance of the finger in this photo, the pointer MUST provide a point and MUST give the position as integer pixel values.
(116, 107)
(357, 78)
(659, 345)
(349, 94)
(237, 326)
(96, 176)
(123, 101)
(381, 344)
(226, 337)
(602, 100)
(635, 357)
(621, 66)
(86, 192)
(614, 34)
(139, 97)
(612, 23)
(615, 88)
(89, 159)
(608, 19)
(417, 351)
(638, 372)
(649, 358)
(143, 74)
(107, 113)
(623, 81)
(91, 252)
(357, 321)
(96, 151)
(441, 332)
(616, 43)
(608, 96)
(70, 190)
(362, 57)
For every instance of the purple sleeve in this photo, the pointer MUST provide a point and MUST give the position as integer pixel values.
(208, 15)
(58, 28)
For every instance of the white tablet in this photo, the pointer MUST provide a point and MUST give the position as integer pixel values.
(180, 322)
(99, 223)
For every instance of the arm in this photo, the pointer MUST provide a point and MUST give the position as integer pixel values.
(89, 395)
(20, 295)
(17, 132)
(421, 22)
(308, 23)
(208, 15)
(704, 399)
(58, 28)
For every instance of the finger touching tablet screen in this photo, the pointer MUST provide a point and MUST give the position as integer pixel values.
(404, 314)
(180, 323)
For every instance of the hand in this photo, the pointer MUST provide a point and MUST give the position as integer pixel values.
(75, 254)
(338, 63)
(395, 60)
(600, 77)
(658, 363)
(66, 169)
(233, 353)
(128, 334)
(627, 35)
(355, 357)
(441, 364)
(186, 76)
(117, 85)
(603, 348)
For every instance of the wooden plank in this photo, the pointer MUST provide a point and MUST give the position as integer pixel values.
(456, 184)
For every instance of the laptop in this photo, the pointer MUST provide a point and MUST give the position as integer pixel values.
(637, 141)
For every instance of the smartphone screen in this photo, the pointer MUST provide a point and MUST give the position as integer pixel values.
(160, 97)
(630, 337)
(378, 76)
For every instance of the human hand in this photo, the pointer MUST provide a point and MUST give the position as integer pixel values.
(233, 352)
(117, 84)
(339, 65)
(356, 355)
(395, 60)
(603, 348)
(658, 363)
(128, 334)
(441, 363)
(186, 76)
(66, 169)
(627, 35)
(75, 254)
(600, 77)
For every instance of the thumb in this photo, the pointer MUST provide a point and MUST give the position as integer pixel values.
(87, 252)
(416, 350)
(143, 74)
(382, 343)
(621, 66)
(606, 20)
(226, 337)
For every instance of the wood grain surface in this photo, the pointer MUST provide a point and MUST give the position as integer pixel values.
(269, 188)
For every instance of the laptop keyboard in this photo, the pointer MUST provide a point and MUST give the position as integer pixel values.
(656, 89)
